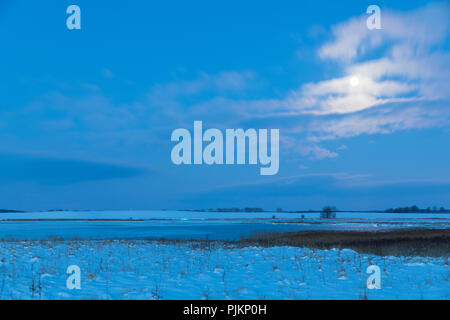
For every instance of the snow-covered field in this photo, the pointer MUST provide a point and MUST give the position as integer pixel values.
(150, 270)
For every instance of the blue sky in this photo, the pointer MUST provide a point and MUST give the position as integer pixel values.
(86, 115)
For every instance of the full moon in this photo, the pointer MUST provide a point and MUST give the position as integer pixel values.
(354, 81)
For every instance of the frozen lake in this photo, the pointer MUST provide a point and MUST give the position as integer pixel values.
(141, 225)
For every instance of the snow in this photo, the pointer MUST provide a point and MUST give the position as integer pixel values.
(121, 269)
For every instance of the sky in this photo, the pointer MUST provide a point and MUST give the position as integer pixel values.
(86, 115)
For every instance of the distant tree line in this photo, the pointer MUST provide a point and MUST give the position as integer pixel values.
(416, 209)
(330, 211)
(238, 210)
(228, 210)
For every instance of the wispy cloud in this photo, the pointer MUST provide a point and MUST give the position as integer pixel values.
(377, 122)
(419, 30)
(307, 149)
(227, 81)
(348, 94)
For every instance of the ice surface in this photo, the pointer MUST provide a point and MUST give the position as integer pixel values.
(196, 225)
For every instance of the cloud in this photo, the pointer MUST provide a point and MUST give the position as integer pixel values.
(107, 73)
(377, 122)
(226, 81)
(305, 149)
(348, 37)
(410, 65)
(317, 152)
(419, 30)
(93, 112)
(407, 63)
(342, 147)
(347, 95)
(50, 170)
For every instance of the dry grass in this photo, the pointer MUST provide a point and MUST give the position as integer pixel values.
(411, 242)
